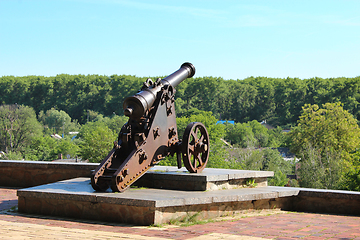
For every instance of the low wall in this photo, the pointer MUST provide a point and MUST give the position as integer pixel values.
(33, 173)
(327, 201)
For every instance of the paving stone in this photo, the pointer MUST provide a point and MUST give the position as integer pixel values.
(277, 224)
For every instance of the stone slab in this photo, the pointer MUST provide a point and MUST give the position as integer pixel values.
(208, 174)
(80, 189)
(164, 177)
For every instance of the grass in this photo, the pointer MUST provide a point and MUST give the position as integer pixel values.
(13, 209)
(137, 187)
(190, 220)
(251, 182)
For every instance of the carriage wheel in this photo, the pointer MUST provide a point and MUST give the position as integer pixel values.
(195, 144)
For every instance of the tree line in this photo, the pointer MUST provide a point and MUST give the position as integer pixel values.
(278, 100)
(322, 113)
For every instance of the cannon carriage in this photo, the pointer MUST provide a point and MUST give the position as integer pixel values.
(151, 134)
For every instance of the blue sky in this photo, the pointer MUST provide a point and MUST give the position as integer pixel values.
(227, 38)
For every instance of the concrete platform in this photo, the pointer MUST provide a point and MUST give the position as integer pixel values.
(224, 195)
(76, 198)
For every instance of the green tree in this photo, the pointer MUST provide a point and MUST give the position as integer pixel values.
(320, 169)
(96, 141)
(272, 161)
(42, 148)
(351, 179)
(277, 138)
(325, 139)
(261, 160)
(242, 97)
(58, 121)
(261, 133)
(241, 135)
(114, 122)
(12, 156)
(18, 126)
(330, 128)
(67, 147)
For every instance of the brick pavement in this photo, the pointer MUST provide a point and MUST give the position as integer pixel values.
(8, 198)
(252, 225)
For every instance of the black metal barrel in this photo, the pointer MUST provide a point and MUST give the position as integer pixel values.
(136, 105)
(187, 70)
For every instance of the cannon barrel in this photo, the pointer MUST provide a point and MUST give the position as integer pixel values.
(136, 105)
(187, 70)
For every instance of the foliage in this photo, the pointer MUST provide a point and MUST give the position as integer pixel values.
(319, 169)
(67, 147)
(325, 139)
(96, 141)
(240, 135)
(18, 126)
(218, 155)
(114, 122)
(262, 159)
(279, 179)
(293, 183)
(42, 148)
(12, 156)
(351, 179)
(330, 128)
(253, 134)
(277, 138)
(58, 121)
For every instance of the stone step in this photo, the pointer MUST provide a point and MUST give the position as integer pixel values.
(163, 177)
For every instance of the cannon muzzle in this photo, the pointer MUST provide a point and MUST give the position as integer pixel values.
(187, 70)
(136, 106)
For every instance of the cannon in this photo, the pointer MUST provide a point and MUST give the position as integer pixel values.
(151, 134)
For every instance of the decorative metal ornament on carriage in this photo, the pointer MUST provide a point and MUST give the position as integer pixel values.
(151, 134)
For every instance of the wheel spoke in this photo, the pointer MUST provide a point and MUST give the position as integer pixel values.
(193, 134)
(198, 157)
(192, 148)
(201, 138)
